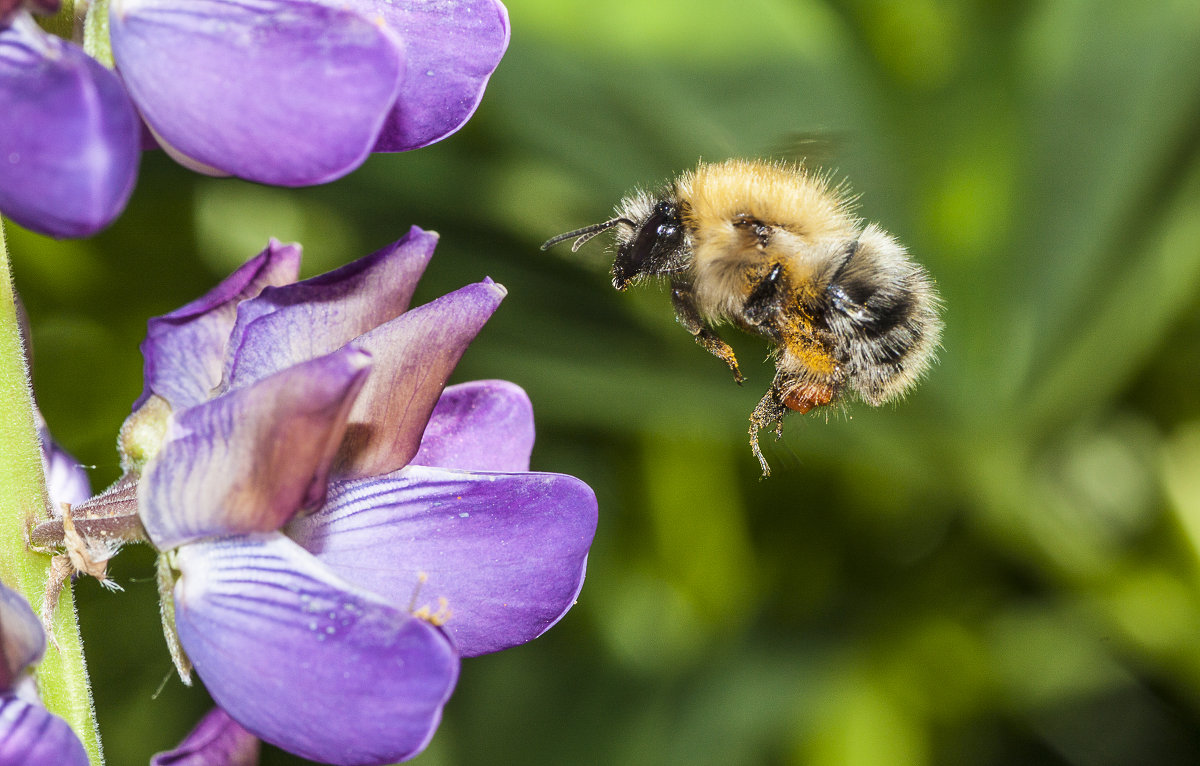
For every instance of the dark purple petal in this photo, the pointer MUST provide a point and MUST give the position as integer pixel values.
(68, 135)
(283, 92)
(306, 661)
(185, 350)
(452, 49)
(217, 740)
(414, 354)
(10, 8)
(291, 324)
(21, 638)
(507, 552)
(249, 460)
(485, 425)
(32, 736)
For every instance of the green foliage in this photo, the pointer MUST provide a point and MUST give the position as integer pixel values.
(1002, 569)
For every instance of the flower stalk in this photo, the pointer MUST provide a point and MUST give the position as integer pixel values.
(62, 675)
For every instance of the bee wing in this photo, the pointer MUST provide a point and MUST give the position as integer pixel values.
(813, 148)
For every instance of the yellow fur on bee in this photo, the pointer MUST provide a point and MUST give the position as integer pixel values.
(779, 194)
(801, 352)
(728, 256)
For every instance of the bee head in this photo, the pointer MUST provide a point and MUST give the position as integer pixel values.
(652, 246)
(649, 241)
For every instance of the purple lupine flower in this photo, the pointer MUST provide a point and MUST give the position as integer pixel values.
(29, 734)
(69, 135)
(217, 740)
(285, 92)
(342, 529)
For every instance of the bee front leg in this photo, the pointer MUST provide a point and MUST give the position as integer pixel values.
(689, 316)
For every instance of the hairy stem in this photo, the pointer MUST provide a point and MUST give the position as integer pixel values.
(62, 675)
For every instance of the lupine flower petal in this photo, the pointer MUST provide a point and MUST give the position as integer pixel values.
(347, 666)
(32, 736)
(184, 351)
(22, 640)
(251, 459)
(29, 735)
(507, 552)
(306, 661)
(452, 49)
(290, 324)
(485, 425)
(414, 355)
(284, 92)
(217, 740)
(66, 481)
(68, 135)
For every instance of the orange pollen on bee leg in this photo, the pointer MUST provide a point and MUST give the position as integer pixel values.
(804, 398)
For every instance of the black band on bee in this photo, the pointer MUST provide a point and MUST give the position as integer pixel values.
(851, 250)
(888, 313)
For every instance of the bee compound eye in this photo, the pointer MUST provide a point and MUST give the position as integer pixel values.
(654, 242)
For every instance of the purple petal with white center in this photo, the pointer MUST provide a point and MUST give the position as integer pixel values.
(290, 324)
(306, 661)
(284, 92)
(217, 740)
(249, 460)
(68, 135)
(21, 638)
(452, 50)
(485, 425)
(414, 354)
(32, 736)
(507, 552)
(185, 350)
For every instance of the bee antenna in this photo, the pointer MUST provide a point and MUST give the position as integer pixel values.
(584, 234)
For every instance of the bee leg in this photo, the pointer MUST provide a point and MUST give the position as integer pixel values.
(689, 316)
(768, 414)
(764, 298)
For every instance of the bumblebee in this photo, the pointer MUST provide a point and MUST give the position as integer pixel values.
(777, 251)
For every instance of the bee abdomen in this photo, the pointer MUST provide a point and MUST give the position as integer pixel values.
(882, 315)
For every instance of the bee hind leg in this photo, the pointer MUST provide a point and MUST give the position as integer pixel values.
(785, 395)
(689, 316)
(768, 414)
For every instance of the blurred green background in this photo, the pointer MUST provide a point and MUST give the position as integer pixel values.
(1002, 569)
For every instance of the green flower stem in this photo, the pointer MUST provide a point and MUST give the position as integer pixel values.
(61, 23)
(95, 33)
(62, 674)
